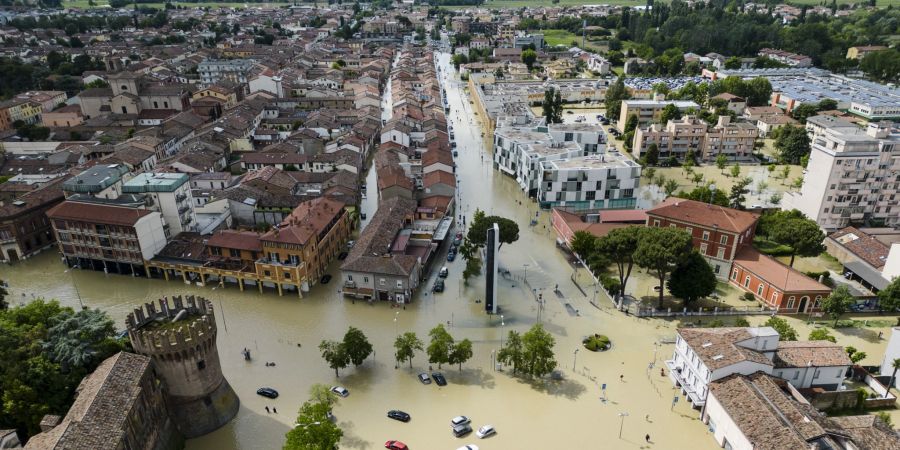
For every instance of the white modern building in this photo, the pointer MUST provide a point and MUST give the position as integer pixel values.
(567, 165)
(214, 70)
(648, 111)
(603, 181)
(853, 175)
(168, 194)
(891, 353)
(704, 355)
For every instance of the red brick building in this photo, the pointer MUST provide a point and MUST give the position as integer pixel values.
(718, 233)
(775, 284)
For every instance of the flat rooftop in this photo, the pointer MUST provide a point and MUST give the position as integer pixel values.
(608, 160)
(155, 182)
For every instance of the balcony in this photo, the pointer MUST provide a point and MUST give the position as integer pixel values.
(180, 197)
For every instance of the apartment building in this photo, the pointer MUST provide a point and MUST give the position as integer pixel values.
(24, 228)
(602, 181)
(297, 251)
(785, 57)
(235, 70)
(386, 263)
(519, 151)
(108, 237)
(101, 181)
(676, 138)
(704, 355)
(648, 111)
(18, 109)
(169, 194)
(853, 175)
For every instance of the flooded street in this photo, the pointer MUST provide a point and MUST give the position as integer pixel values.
(527, 415)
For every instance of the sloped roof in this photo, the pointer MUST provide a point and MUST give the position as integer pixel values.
(704, 214)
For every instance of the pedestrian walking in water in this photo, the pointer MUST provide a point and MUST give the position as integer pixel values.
(267, 410)
(275, 410)
(621, 377)
(647, 438)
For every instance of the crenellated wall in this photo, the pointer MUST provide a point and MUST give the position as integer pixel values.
(185, 356)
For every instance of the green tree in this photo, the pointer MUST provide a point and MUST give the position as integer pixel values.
(784, 329)
(733, 63)
(735, 170)
(883, 66)
(802, 235)
(460, 353)
(895, 364)
(652, 155)
(804, 111)
(889, 297)
(473, 268)
(619, 246)
(440, 345)
(513, 351)
(552, 106)
(529, 56)
(41, 369)
(706, 195)
(738, 191)
(837, 303)
(477, 234)
(537, 351)
(313, 429)
(670, 187)
(77, 338)
(770, 221)
(660, 250)
(335, 354)
(692, 279)
(854, 354)
(669, 112)
(406, 346)
(357, 346)
(821, 334)
(721, 162)
(631, 124)
(785, 173)
(792, 144)
(583, 244)
(614, 96)
(322, 394)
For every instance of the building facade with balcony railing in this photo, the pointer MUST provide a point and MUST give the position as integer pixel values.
(112, 238)
(853, 175)
(170, 195)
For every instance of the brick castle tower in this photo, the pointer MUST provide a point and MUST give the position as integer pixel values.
(180, 339)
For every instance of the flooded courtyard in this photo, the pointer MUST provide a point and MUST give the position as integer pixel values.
(566, 413)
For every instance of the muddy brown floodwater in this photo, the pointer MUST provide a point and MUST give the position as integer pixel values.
(527, 415)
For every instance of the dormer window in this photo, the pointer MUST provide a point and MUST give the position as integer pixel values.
(124, 87)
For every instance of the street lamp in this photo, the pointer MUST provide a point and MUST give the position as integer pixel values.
(75, 285)
(574, 358)
(525, 274)
(502, 325)
(221, 309)
(622, 415)
(396, 316)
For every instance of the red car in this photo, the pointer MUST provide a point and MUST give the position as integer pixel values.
(395, 445)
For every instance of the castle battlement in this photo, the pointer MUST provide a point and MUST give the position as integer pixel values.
(168, 336)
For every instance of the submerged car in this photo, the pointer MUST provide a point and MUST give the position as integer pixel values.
(340, 390)
(396, 414)
(439, 379)
(424, 378)
(485, 431)
(267, 392)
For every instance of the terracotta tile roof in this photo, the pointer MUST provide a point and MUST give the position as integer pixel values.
(705, 215)
(438, 177)
(864, 246)
(765, 415)
(777, 274)
(240, 240)
(97, 213)
(438, 156)
(97, 419)
(306, 221)
(273, 158)
(815, 353)
(372, 250)
(717, 347)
